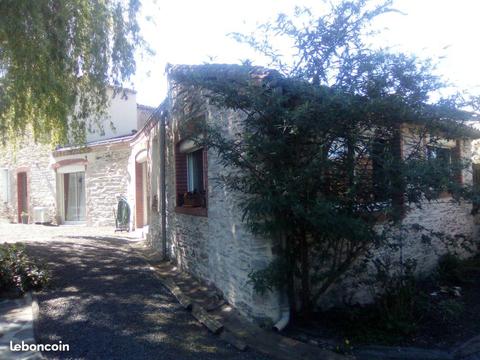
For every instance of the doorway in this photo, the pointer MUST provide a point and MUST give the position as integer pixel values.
(22, 194)
(74, 196)
(141, 197)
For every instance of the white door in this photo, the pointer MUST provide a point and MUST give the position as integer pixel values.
(74, 187)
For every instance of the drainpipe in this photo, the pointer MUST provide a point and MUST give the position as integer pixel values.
(284, 313)
(284, 319)
(163, 200)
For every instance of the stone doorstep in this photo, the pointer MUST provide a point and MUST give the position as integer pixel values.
(223, 319)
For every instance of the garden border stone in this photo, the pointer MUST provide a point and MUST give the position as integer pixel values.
(239, 332)
(240, 335)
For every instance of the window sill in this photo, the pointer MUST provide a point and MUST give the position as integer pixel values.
(194, 211)
(444, 195)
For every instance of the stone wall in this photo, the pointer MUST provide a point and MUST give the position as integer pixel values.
(146, 141)
(154, 227)
(217, 248)
(35, 160)
(106, 178)
(428, 233)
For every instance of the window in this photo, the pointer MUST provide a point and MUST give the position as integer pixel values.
(476, 175)
(337, 149)
(440, 153)
(476, 184)
(4, 185)
(195, 171)
(382, 168)
(191, 178)
(447, 158)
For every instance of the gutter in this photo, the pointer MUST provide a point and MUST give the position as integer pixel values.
(162, 148)
(87, 147)
(285, 307)
(284, 317)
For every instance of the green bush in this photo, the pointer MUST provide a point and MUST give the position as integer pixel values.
(450, 270)
(18, 272)
(398, 308)
(453, 271)
(449, 310)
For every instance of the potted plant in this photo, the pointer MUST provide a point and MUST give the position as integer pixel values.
(24, 216)
(192, 199)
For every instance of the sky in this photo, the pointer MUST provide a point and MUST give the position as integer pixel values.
(196, 31)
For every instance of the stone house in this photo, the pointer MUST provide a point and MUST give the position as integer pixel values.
(206, 236)
(153, 168)
(75, 185)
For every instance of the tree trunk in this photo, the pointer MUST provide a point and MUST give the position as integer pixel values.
(398, 198)
(289, 255)
(305, 293)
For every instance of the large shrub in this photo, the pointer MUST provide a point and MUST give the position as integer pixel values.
(318, 159)
(18, 272)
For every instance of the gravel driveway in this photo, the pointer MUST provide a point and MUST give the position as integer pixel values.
(106, 304)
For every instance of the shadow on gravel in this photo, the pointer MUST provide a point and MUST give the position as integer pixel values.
(106, 304)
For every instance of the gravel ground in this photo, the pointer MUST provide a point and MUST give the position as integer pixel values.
(106, 304)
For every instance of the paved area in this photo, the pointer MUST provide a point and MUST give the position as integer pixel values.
(105, 302)
(16, 325)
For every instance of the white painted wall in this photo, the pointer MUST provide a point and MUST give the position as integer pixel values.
(122, 113)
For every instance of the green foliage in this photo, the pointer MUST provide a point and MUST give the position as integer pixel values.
(18, 271)
(317, 156)
(344, 348)
(57, 58)
(453, 271)
(398, 307)
(408, 307)
(449, 310)
(449, 270)
(272, 276)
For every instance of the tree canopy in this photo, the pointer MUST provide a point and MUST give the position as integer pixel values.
(319, 156)
(57, 58)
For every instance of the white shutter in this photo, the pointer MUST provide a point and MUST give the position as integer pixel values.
(4, 185)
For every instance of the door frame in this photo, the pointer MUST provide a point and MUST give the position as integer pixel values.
(66, 198)
(22, 173)
(60, 192)
(139, 195)
(142, 198)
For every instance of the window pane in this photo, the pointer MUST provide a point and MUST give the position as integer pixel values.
(195, 171)
(190, 173)
(442, 154)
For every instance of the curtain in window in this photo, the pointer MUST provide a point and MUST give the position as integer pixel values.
(74, 184)
(195, 171)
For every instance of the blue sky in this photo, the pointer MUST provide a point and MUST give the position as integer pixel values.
(194, 31)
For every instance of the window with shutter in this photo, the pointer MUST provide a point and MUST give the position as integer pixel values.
(191, 177)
